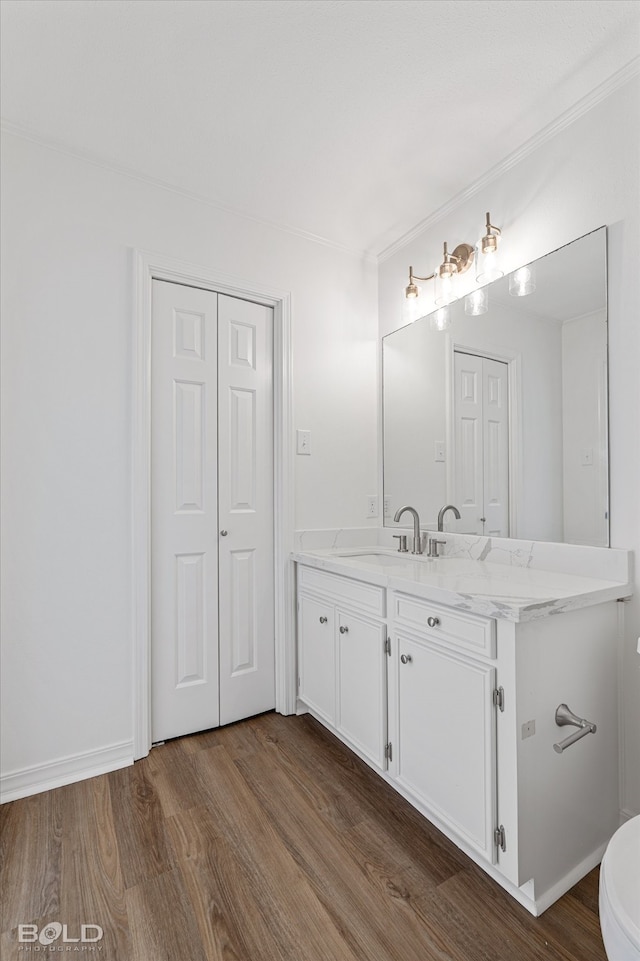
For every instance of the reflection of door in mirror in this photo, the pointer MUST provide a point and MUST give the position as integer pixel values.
(481, 444)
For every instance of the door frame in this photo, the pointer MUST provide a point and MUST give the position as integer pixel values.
(147, 267)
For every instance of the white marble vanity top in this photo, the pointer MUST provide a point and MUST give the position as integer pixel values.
(483, 587)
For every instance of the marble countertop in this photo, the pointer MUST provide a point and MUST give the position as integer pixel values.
(482, 587)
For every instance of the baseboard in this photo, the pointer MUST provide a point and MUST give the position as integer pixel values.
(548, 897)
(66, 770)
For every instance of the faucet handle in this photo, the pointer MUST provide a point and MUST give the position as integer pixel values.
(402, 546)
(434, 543)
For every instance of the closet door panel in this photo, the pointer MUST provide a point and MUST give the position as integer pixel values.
(184, 535)
(245, 447)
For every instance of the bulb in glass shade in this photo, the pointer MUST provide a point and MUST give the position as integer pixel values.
(441, 319)
(488, 266)
(522, 282)
(477, 302)
(412, 308)
(444, 291)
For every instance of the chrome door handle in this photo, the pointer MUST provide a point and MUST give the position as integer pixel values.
(223, 533)
(406, 658)
(344, 630)
(323, 620)
(433, 621)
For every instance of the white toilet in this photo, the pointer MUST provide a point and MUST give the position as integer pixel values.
(620, 894)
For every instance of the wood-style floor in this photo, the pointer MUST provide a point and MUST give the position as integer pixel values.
(264, 841)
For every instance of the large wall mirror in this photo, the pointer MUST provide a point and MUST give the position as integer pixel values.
(504, 414)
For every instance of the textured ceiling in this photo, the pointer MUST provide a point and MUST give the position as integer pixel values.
(351, 120)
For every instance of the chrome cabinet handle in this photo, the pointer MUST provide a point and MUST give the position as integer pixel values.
(433, 621)
(323, 620)
(344, 630)
(223, 533)
(406, 658)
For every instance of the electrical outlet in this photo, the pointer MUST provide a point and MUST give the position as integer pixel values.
(372, 505)
(438, 450)
(528, 729)
(387, 505)
(303, 441)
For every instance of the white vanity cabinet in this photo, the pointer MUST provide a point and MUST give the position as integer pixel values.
(456, 709)
(342, 659)
(443, 727)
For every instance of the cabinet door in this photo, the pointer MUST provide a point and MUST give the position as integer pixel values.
(362, 684)
(446, 737)
(316, 656)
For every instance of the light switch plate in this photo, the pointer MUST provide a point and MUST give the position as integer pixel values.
(303, 441)
(438, 452)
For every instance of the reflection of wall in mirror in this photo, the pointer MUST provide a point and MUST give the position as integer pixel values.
(414, 421)
(584, 418)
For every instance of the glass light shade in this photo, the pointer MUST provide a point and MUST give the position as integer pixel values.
(477, 302)
(412, 307)
(488, 266)
(522, 281)
(441, 319)
(444, 291)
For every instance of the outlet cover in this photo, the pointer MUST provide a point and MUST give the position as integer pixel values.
(372, 505)
(387, 505)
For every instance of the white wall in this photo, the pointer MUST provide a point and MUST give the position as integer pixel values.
(68, 227)
(582, 178)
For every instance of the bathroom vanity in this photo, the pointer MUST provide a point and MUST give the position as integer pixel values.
(445, 675)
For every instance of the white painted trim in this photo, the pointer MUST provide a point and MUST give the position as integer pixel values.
(147, 267)
(591, 100)
(551, 895)
(64, 770)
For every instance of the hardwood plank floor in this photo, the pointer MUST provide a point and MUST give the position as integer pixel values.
(264, 841)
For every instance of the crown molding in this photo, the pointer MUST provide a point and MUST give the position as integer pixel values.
(8, 127)
(570, 116)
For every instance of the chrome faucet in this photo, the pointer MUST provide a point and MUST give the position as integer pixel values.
(443, 511)
(417, 537)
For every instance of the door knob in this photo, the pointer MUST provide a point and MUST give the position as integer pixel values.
(223, 533)
(323, 620)
(433, 621)
(344, 630)
(406, 658)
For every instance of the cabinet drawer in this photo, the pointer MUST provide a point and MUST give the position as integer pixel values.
(365, 597)
(465, 631)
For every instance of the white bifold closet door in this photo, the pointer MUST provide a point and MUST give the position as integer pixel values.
(481, 418)
(212, 571)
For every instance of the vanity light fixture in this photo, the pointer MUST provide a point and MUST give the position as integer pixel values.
(522, 281)
(453, 264)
